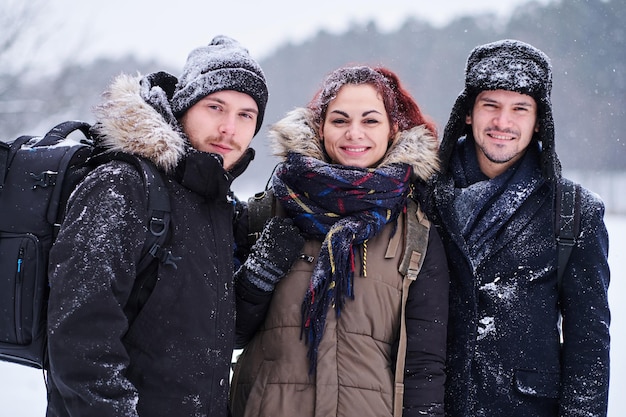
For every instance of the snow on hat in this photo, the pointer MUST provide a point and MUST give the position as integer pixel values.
(222, 65)
(507, 65)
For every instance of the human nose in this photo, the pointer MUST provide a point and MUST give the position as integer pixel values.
(227, 125)
(502, 118)
(354, 131)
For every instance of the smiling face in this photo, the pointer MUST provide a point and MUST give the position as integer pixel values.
(223, 123)
(356, 130)
(503, 123)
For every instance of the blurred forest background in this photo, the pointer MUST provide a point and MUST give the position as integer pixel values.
(585, 39)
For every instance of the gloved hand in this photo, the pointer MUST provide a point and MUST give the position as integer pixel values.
(272, 255)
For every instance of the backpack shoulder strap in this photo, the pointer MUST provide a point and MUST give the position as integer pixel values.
(159, 217)
(4, 163)
(261, 207)
(155, 244)
(159, 210)
(417, 231)
(567, 222)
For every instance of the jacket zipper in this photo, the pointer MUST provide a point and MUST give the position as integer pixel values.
(18, 295)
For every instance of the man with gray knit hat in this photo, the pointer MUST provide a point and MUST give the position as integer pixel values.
(162, 348)
(522, 341)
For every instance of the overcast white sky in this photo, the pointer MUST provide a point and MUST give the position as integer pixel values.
(169, 30)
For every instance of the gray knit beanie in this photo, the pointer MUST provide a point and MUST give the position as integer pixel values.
(222, 65)
(507, 65)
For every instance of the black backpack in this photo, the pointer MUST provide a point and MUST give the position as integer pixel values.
(37, 175)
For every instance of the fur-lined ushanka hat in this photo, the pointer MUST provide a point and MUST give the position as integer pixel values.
(506, 65)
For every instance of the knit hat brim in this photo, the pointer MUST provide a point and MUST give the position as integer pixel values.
(237, 79)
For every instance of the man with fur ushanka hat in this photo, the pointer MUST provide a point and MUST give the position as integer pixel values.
(519, 343)
(166, 349)
(513, 66)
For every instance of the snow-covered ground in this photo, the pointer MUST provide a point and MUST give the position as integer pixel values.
(23, 393)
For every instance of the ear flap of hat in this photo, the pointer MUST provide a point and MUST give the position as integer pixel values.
(550, 164)
(455, 128)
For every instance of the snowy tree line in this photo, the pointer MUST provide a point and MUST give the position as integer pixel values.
(586, 41)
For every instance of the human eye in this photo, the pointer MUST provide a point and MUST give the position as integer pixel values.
(338, 121)
(214, 106)
(371, 121)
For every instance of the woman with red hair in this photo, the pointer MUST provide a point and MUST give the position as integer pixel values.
(341, 331)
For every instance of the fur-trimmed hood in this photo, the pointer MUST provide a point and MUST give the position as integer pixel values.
(298, 133)
(127, 123)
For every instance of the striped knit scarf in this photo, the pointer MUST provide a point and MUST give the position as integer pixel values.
(342, 206)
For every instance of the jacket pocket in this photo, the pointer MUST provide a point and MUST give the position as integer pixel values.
(537, 383)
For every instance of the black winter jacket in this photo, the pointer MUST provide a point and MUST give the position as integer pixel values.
(505, 356)
(174, 358)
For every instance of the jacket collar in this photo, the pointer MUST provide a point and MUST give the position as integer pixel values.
(203, 173)
(298, 133)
